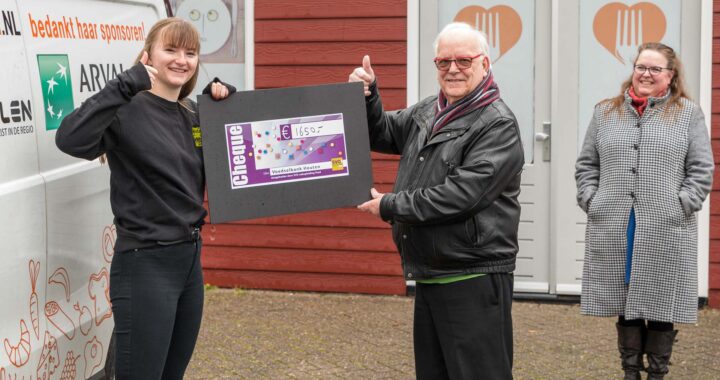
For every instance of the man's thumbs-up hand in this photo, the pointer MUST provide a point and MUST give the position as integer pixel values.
(363, 74)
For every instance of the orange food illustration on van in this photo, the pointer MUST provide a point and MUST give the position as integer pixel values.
(99, 290)
(84, 318)
(34, 267)
(60, 319)
(61, 277)
(49, 358)
(93, 355)
(501, 24)
(69, 371)
(108, 242)
(621, 28)
(19, 354)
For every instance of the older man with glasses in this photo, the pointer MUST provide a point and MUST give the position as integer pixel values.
(454, 209)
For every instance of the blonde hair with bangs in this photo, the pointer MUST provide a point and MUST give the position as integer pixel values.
(177, 33)
(174, 32)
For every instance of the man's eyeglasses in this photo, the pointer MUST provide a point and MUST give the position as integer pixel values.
(461, 62)
(654, 70)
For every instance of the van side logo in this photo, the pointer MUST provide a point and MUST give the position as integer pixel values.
(621, 28)
(501, 24)
(10, 26)
(56, 86)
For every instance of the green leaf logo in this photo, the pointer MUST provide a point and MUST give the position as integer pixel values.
(56, 86)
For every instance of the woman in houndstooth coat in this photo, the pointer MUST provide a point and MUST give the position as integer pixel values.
(644, 171)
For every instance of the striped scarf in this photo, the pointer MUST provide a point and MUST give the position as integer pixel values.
(485, 93)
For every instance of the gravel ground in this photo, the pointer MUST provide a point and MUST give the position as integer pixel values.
(250, 334)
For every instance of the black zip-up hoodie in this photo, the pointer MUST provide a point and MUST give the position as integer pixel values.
(157, 179)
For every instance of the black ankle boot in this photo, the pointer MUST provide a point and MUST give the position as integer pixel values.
(630, 345)
(658, 348)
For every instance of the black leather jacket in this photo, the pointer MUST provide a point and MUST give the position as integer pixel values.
(454, 209)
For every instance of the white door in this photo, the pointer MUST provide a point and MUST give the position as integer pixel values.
(521, 67)
(594, 46)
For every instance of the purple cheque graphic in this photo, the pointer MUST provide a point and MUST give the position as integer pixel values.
(286, 150)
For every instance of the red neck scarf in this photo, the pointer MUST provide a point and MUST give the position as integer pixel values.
(637, 102)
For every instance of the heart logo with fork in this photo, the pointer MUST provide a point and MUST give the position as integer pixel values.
(501, 24)
(621, 28)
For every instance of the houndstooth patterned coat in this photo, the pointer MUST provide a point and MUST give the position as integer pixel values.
(661, 164)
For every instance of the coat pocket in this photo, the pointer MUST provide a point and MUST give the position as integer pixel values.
(472, 230)
(594, 204)
(438, 246)
(606, 241)
(675, 213)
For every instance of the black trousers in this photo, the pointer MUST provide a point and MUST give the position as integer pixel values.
(157, 301)
(463, 330)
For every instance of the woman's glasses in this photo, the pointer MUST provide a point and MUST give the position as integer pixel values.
(654, 70)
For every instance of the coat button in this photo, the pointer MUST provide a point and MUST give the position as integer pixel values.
(421, 158)
(633, 170)
(404, 236)
(638, 125)
(632, 194)
(636, 146)
(409, 275)
(447, 134)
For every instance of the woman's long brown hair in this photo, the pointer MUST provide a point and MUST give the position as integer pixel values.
(677, 84)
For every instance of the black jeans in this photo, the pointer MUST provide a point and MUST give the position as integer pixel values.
(463, 330)
(157, 302)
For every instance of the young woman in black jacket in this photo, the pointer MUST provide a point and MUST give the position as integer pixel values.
(144, 123)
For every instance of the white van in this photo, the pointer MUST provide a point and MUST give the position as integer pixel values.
(56, 232)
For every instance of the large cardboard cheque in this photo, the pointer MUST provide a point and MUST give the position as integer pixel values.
(284, 151)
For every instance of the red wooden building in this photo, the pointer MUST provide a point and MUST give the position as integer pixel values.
(714, 292)
(313, 42)
(302, 43)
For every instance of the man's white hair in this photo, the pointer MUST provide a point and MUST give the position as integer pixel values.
(461, 27)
